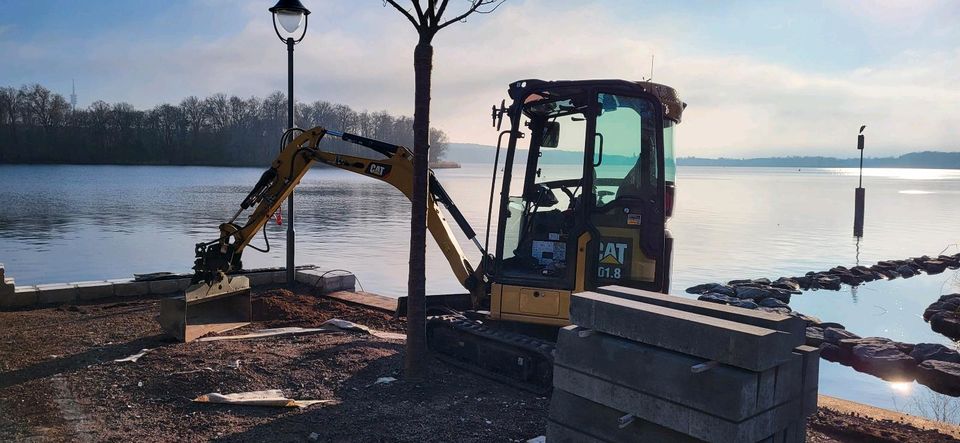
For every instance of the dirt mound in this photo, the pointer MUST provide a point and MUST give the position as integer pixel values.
(280, 307)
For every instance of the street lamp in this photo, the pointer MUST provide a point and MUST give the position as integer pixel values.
(291, 14)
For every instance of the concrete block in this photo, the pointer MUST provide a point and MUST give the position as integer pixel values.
(131, 288)
(310, 277)
(6, 289)
(183, 284)
(602, 423)
(259, 278)
(166, 286)
(811, 378)
(280, 277)
(725, 391)
(93, 290)
(56, 293)
(736, 344)
(21, 297)
(674, 416)
(558, 433)
(769, 320)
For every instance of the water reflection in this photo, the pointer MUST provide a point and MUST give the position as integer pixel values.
(70, 223)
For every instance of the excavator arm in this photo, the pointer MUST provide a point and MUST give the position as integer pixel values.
(217, 258)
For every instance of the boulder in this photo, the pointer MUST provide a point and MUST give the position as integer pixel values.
(850, 279)
(839, 270)
(786, 283)
(811, 320)
(934, 266)
(906, 271)
(804, 281)
(834, 335)
(831, 324)
(828, 282)
(783, 311)
(761, 281)
(934, 351)
(948, 297)
(708, 287)
(771, 302)
(830, 352)
(739, 282)
(746, 304)
(718, 298)
(883, 360)
(946, 323)
(941, 376)
(934, 308)
(814, 336)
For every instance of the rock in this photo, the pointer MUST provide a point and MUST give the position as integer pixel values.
(828, 282)
(850, 279)
(834, 335)
(951, 261)
(811, 320)
(803, 282)
(771, 302)
(839, 270)
(718, 298)
(934, 308)
(946, 323)
(814, 336)
(761, 281)
(830, 324)
(934, 266)
(934, 351)
(830, 352)
(906, 271)
(746, 304)
(883, 360)
(948, 297)
(786, 283)
(739, 282)
(941, 376)
(706, 287)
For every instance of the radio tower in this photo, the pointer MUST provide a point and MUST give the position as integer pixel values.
(73, 96)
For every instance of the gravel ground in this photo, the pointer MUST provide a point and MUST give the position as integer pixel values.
(58, 382)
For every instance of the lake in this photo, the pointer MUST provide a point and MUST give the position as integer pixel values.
(70, 223)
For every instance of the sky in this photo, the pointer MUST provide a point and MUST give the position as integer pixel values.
(764, 78)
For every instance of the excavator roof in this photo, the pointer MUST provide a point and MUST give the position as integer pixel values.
(672, 105)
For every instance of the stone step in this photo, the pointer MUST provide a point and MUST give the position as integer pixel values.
(725, 391)
(674, 416)
(601, 423)
(736, 344)
(769, 320)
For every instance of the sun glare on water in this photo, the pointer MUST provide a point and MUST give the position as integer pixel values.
(901, 387)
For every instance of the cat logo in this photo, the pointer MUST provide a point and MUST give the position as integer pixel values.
(378, 169)
(612, 253)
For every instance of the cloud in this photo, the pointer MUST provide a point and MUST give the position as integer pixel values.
(740, 103)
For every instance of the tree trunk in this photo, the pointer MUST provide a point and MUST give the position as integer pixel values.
(415, 363)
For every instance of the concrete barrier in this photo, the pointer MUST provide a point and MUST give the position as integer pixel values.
(56, 293)
(93, 290)
(742, 345)
(576, 419)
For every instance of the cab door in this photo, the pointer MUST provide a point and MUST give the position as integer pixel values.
(626, 220)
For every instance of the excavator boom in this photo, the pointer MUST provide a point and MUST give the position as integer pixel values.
(218, 301)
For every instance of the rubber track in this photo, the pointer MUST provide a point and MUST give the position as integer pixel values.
(536, 354)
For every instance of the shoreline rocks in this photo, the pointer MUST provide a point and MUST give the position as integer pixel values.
(944, 316)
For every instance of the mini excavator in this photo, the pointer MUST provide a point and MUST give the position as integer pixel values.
(605, 145)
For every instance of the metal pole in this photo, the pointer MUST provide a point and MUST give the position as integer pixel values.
(291, 269)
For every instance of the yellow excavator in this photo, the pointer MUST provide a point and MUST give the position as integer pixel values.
(594, 189)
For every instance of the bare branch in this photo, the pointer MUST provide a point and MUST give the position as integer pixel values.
(420, 15)
(403, 11)
(432, 12)
(474, 7)
(443, 7)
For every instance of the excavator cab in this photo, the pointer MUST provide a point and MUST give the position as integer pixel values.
(586, 203)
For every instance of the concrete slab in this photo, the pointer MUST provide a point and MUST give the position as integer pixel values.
(260, 278)
(131, 288)
(675, 416)
(374, 301)
(769, 320)
(279, 277)
(56, 293)
(811, 378)
(167, 286)
(736, 344)
(93, 290)
(310, 277)
(725, 391)
(602, 422)
(21, 297)
(558, 433)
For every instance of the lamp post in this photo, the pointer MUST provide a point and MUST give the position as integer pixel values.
(291, 14)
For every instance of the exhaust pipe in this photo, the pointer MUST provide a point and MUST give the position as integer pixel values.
(206, 308)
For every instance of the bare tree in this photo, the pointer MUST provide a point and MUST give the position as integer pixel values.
(427, 20)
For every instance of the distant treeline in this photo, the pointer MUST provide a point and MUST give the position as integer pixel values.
(38, 126)
(925, 159)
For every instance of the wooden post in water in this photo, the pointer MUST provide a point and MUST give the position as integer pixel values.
(860, 194)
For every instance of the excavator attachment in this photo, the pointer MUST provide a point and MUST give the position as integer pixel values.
(221, 305)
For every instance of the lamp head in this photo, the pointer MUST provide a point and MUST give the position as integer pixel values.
(291, 14)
